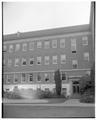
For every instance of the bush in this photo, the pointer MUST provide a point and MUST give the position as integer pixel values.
(88, 97)
(48, 94)
(11, 95)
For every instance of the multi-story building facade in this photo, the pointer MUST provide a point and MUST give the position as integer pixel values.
(31, 58)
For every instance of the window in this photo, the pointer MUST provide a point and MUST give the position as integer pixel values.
(54, 43)
(46, 60)
(11, 48)
(39, 60)
(85, 40)
(4, 63)
(31, 60)
(16, 78)
(73, 45)
(17, 47)
(31, 77)
(54, 59)
(31, 46)
(47, 89)
(74, 64)
(46, 44)
(86, 56)
(16, 61)
(9, 62)
(38, 77)
(63, 59)
(46, 77)
(9, 78)
(24, 61)
(62, 43)
(24, 47)
(63, 76)
(23, 77)
(4, 48)
(39, 44)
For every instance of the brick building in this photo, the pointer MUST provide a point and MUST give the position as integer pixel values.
(31, 58)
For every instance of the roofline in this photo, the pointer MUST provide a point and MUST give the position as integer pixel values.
(47, 32)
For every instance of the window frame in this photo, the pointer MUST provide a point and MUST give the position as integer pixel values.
(39, 59)
(54, 43)
(61, 43)
(46, 58)
(55, 58)
(63, 57)
(24, 47)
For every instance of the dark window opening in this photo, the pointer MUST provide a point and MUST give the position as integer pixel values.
(73, 51)
(24, 62)
(31, 77)
(31, 62)
(63, 76)
(39, 77)
(75, 66)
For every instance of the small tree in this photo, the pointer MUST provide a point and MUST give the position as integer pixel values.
(58, 82)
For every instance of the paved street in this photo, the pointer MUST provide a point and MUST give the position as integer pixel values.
(30, 111)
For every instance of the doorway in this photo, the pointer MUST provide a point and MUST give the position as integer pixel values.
(75, 88)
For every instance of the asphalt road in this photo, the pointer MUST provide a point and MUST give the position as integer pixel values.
(29, 111)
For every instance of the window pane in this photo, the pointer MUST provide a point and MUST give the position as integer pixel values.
(46, 60)
(10, 48)
(54, 59)
(62, 43)
(47, 44)
(24, 61)
(17, 47)
(73, 45)
(39, 44)
(31, 77)
(16, 61)
(4, 48)
(24, 47)
(63, 76)
(16, 79)
(23, 77)
(31, 61)
(46, 77)
(31, 46)
(38, 77)
(74, 64)
(85, 40)
(9, 62)
(54, 43)
(63, 59)
(38, 60)
(86, 56)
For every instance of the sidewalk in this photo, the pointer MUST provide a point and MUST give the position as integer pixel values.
(45, 102)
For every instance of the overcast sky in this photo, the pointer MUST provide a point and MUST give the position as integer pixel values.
(32, 16)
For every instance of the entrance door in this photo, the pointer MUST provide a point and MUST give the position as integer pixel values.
(75, 86)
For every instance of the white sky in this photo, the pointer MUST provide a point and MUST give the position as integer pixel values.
(32, 16)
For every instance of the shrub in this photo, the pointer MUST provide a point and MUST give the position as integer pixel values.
(48, 94)
(88, 97)
(11, 95)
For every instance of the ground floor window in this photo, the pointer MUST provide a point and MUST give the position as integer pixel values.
(63, 75)
(46, 77)
(38, 77)
(47, 89)
(9, 78)
(31, 77)
(23, 77)
(16, 78)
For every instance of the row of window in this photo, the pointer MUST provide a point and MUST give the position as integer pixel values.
(46, 45)
(46, 60)
(9, 78)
